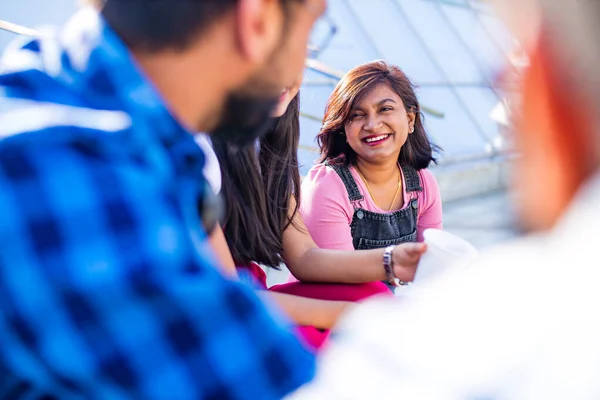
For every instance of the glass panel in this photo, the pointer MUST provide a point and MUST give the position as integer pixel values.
(488, 53)
(482, 6)
(323, 31)
(456, 132)
(461, 3)
(348, 47)
(314, 98)
(45, 13)
(456, 2)
(498, 31)
(5, 39)
(481, 102)
(33, 13)
(308, 152)
(394, 40)
(442, 41)
(314, 78)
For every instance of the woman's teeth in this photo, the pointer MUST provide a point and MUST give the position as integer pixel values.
(375, 138)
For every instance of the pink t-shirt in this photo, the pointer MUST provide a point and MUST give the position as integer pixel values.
(327, 211)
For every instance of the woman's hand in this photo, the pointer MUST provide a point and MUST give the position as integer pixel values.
(405, 258)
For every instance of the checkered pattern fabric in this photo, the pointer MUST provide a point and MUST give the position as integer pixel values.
(107, 287)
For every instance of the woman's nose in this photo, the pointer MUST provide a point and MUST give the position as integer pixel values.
(372, 122)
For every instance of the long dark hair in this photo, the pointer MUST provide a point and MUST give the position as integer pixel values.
(258, 186)
(357, 83)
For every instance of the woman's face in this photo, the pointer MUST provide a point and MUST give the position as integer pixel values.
(286, 97)
(379, 126)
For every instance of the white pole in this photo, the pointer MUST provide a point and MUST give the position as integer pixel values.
(18, 29)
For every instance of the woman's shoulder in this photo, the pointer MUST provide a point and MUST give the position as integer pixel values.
(322, 183)
(427, 177)
(322, 174)
(429, 184)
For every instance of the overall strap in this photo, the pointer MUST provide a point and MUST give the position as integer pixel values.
(412, 179)
(344, 173)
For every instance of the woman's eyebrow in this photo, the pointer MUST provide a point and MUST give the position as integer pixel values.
(385, 101)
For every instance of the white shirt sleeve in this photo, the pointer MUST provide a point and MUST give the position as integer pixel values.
(212, 170)
(511, 327)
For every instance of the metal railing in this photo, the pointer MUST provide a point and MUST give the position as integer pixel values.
(331, 77)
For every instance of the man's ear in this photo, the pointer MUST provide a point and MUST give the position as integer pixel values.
(259, 27)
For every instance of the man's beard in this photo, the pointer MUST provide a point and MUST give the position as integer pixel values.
(245, 118)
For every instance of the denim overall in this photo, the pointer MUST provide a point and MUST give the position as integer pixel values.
(371, 230)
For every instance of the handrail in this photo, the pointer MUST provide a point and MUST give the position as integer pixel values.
(311, 63)
(18, 29)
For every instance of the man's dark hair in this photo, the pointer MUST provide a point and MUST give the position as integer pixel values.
(153, 25)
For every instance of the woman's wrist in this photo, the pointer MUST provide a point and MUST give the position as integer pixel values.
(388, 265)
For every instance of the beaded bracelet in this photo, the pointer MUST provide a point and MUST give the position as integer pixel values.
(388, 266)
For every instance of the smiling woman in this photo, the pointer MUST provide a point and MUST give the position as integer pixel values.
(372, 188)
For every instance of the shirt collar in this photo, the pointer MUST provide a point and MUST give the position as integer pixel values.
(85, 64)
(102, 69)
(91, 61)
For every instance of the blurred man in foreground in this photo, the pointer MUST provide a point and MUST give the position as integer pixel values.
(523, 323)
(106, 288)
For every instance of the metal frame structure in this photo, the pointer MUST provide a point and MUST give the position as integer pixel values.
(331, 73)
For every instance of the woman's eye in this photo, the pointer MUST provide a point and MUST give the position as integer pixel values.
(356, 115)
(383, 109)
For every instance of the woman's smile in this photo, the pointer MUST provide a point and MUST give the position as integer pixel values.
(376, 140)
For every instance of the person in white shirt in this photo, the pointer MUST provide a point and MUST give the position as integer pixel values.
(524, 321)
(212, 172)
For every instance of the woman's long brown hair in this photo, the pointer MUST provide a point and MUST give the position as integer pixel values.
(258, 185)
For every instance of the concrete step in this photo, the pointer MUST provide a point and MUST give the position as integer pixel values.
(472, 178)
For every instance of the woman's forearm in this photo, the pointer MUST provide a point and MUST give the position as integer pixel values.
(309, 263)
(309, 312)
(322, 265)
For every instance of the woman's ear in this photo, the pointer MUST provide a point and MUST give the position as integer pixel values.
(411, 115)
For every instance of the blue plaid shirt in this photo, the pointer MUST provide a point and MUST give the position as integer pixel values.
(107, 288)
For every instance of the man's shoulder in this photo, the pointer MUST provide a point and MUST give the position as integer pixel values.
(53, 152)
(42, 140)
(32, 122)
